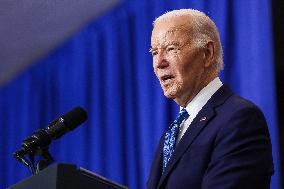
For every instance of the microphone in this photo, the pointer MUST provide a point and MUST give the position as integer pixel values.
(41, 138)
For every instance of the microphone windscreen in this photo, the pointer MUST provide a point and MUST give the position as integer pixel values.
(74, 117)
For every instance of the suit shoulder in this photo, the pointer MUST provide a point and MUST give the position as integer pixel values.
(237, 108)
(237, 103)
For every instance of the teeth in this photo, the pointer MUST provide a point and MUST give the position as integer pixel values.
(166, 77)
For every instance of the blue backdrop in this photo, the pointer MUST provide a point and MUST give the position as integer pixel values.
(106, 68)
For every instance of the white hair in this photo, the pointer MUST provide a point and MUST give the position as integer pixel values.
(203, 30)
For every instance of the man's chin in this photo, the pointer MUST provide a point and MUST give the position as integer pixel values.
(170, 94)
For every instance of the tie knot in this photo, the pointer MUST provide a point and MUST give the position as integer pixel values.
(182, 116)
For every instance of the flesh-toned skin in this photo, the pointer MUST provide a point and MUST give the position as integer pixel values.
(182, 69)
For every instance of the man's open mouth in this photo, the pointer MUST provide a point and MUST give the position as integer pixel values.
(166, 78)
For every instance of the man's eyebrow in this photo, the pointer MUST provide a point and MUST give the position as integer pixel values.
(173, 43)
(151, 49)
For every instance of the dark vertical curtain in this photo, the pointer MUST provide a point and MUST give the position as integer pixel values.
(106, 68)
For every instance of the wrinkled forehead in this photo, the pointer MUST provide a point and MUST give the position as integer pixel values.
(170, 31)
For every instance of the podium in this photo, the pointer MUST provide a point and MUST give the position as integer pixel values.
(66, 176)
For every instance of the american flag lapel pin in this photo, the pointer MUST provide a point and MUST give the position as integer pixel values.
(203, 119)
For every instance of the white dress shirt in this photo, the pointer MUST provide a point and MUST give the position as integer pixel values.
(197, 103)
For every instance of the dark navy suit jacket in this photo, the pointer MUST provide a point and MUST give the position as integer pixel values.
(227, 146)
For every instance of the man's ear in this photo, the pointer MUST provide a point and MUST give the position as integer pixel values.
(209, 53)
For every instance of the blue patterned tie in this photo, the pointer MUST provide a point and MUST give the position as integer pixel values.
(170, 137)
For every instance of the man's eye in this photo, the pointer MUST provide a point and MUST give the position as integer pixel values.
(171, 48)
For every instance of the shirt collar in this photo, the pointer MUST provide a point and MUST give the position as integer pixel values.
(202, 97)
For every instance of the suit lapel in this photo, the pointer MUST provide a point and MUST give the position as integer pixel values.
(199, 123)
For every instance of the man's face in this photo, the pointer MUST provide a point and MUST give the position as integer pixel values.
(177, 63)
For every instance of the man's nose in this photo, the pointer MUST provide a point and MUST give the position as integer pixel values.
(161, 60)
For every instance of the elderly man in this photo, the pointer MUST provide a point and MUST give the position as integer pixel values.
(219, 140)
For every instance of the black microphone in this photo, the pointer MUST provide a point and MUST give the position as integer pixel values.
(41, 138)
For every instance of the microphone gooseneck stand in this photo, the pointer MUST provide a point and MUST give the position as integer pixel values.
(30, 149)
(38, 143)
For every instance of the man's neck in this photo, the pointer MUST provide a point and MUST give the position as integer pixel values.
(187, 98)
